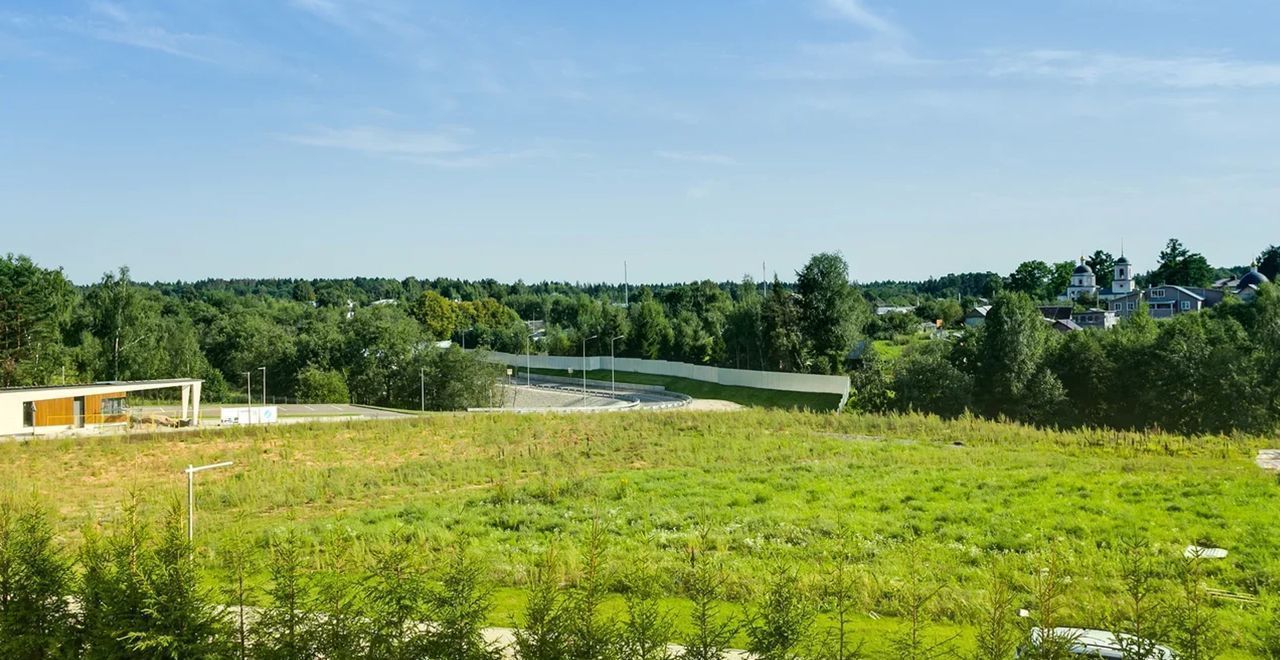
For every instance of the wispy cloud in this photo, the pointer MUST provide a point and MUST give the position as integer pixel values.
(696, 157)
(849, 60)
(380, 141)
(885, 47)
(854, 11)
(114, 23)
(111, 22)
(1104, 68)
(440, 148)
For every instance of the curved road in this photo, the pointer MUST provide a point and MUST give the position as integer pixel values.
(644, 398)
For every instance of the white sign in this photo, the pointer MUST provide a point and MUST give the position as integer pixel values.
(256, 415)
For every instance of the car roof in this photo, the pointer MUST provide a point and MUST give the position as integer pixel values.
(1087, 640)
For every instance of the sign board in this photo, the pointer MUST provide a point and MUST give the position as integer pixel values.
(255, 415)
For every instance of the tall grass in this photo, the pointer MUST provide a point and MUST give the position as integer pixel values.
(755, 490)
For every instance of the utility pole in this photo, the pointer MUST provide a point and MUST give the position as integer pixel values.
(264, 385)
(613, 379)
(584, 362)
(248, 379)
(528, 360)
(422, 387)
(626, 287)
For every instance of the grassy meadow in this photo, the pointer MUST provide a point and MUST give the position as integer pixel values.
(914, 498)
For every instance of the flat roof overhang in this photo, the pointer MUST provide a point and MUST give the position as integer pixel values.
(108, 387)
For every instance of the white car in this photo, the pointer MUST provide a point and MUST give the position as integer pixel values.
(1094, 643)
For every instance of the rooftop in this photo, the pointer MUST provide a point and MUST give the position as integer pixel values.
(105, 383)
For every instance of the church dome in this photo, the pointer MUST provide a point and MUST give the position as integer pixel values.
(1253, 277)
(1083, 269)
(1122, 261)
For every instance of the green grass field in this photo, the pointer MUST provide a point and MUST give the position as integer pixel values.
(747, 396)
(754, 489)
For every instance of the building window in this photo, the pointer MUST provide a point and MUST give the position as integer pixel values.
(113, 406)
(1186, 305)
(29, 413)
(1115, 306)
(1130, 307)
(1157, 293)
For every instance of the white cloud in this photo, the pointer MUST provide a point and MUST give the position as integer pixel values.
(111, 22)
(442, 148)
(854, 11)
(1103, 68)
(848, 61)
(373, 140)
(696, 157)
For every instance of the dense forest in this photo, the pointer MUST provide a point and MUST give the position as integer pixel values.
(375, 340)
(370, 339)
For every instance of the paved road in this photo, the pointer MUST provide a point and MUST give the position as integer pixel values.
(646, 398)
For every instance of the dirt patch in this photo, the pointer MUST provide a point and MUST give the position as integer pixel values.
(712, 405)
(858, 437)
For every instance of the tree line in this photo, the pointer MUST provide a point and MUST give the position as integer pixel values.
(1209, 372)
(334, 341)
(137, 590)
(1045, 281)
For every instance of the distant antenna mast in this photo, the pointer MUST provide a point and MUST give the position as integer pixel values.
(626, 286)
(764, 279)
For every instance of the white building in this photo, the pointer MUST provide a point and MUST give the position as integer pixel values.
(63, 408)
(1084, 283)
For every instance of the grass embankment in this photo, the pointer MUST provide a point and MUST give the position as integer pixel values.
(753, 490)
(746, 396)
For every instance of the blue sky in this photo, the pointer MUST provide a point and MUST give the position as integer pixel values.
(556, 139)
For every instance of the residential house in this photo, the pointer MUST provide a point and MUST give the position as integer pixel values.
(1102, 319)
(1167, 300)
(976, 316)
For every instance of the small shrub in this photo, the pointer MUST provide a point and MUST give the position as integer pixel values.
(544, 633)
(783, 620)
(35, 621)
(710, 630)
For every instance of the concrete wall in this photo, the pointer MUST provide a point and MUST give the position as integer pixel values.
(765, 380)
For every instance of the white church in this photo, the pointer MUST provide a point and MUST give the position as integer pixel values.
(1085, 283)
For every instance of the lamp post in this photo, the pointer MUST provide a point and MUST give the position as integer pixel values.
(191, 493)
(264, 385)
(613, 380)
(584, 362)
(248, 379)
(528, 361)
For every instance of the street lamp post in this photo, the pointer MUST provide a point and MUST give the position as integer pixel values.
(191, 493)
(584, 362)
(264, 385)
(248, 379)
(613, 379)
